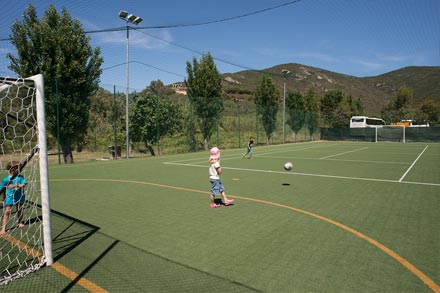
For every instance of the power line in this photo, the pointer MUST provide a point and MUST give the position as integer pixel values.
(188, 25)
(145, 64)
(201, 53)
(140, 29)
(192, 24)
(202, 23)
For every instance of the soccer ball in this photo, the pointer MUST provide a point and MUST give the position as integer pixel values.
(288, 166)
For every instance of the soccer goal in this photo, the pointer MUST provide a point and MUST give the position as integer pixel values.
(25, 243)
(391, 133)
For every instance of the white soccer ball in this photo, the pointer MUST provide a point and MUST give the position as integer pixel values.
(288, 166)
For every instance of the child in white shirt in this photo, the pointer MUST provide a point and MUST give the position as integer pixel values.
(214, 177)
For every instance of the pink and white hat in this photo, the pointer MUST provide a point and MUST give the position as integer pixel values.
(215, 153)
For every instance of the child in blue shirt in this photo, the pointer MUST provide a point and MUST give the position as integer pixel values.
(249, 148)
(12, 188)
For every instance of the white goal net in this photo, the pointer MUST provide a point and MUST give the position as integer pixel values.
(25, 237)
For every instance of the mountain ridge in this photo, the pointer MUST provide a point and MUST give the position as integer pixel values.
(374, 91)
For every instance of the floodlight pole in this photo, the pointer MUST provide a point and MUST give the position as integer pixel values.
(285, 72)
(127, 81)
(128, 18)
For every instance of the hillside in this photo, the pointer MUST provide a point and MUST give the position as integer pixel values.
(375, 91)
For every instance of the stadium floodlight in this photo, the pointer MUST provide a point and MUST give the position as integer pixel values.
(123, 14)
(137, 20)
(134, 19)
(131, 17)
(286, 73)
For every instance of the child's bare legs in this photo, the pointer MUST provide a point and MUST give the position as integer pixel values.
(20, 215)
(226, 201)
(213, 204)
(5, 219)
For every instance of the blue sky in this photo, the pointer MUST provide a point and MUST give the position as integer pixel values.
(353, 37)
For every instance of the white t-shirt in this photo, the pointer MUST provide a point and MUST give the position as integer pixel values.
(213, 170)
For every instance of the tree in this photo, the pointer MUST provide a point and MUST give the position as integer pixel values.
(158, 88)
(266, 98)
(152, 118)
(428, 113)
(347, 108)
(329, 105)
(57, 47)
(399, 107)
(103, 115)
(295, 104)
(205, 92)
(312, 107)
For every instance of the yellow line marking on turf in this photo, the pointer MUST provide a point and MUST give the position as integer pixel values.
(83, 282)
(23, 246)
(418, 273)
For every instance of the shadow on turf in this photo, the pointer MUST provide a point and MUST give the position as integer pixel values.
(68, 233)
(89, 267)
(113, 261)
(220, 202)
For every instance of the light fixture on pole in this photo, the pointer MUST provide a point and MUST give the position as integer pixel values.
(285, 72)
(128, 18)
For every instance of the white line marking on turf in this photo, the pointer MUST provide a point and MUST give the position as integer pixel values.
(309, 174)
(344, 153)
(337, 160)
(412, 165)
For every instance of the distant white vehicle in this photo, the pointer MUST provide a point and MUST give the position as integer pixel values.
(365, 122)
(410, 123)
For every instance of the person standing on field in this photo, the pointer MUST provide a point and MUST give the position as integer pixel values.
(12, 188)
(249, 148)
(214, 177)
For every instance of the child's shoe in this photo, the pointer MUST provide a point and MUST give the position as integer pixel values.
(229, 202)
(215, 205)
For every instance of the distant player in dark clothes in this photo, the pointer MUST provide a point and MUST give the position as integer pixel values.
(249, 148)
